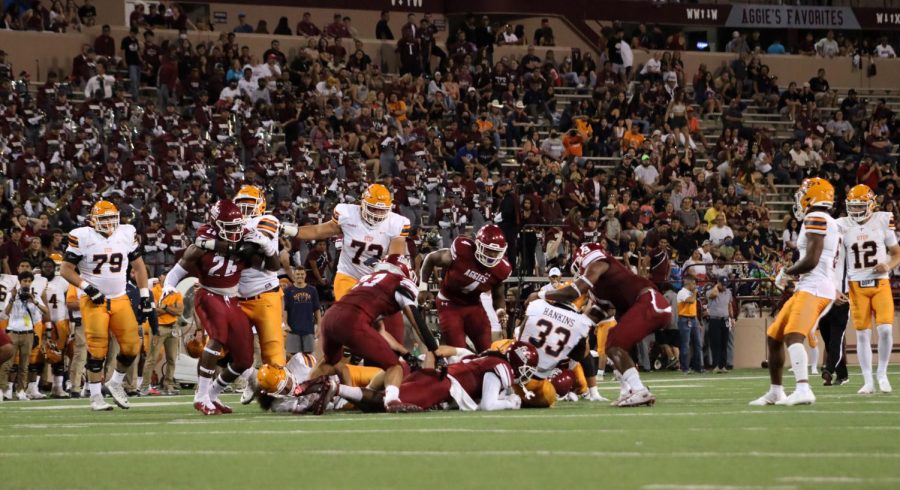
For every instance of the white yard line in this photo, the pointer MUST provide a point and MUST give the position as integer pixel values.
(698, 486)
(836, 479)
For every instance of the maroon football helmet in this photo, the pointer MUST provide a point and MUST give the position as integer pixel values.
(563, 380)
(580, 254)
(227, 220)
(490, 245)
(398, 264)
(523, 358)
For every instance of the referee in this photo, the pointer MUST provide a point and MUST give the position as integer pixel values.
(832, 327)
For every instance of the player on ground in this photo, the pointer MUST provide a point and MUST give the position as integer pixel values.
(259, 293)
(95, 262)
(370, 231)
(642, 308)
(54, 296)
(354, 321)
(872, 251)
(470, 267)
(819, 244)
(216, 307)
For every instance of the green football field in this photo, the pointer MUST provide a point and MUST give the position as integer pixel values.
(700, 435)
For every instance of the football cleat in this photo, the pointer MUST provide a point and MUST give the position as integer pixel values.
(768, 399)
(117, 392)
(98, 404)
(397, 406)
(591, 398)
(842, 381)
(637, 399)
(36, 395)
(221, 407)
(798, 398)
(315, 385)
(206, 408)
(21, 395)
(249, 392)
(866, 389)
(884, 385)
(58, 392)
(326, 393)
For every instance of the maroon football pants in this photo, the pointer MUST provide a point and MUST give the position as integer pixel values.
(424, 389)
(648, 314)
(346, 326)
(225, 322)
(461, 321)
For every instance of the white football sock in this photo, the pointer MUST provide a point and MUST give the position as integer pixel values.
(776, 390)
(594, 392)
(864, 353)
(95, 389)
(391, 393)
(117, 377)
(623, 386)
(57, 382)
(202, 393)
(633, 379)
(813, 357)
(140, 382)
(32, 387)
(800, 363)
(351, 393)
(217, 387)
(885, 345)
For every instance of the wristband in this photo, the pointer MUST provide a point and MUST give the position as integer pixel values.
(83, 285)
(145, 293)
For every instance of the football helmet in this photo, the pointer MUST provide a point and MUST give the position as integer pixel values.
(105, 217)
(251, 200)
(398, 264)
(860, 203)
(274, 379)
(227, 220)
(195, 344)
(376, 204)
(813, 192)
(490, 245)
(563, 380)
(580, 254)
(52, 353)
(523, 358)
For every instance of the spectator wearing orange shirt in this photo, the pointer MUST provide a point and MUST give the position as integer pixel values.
(632, 138)
(573, 143)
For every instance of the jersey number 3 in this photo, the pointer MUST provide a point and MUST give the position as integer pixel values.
(546, 330)
(375, 249)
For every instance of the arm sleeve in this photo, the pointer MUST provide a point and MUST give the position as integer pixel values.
(491, 398)
(175, 276)
(73, 250)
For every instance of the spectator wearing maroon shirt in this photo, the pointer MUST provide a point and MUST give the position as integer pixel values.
(658, 263)
(869, 173)
(337, 28)
(105, 45)
(306, 28)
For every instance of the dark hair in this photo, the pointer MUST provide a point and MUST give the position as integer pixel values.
(26, 275)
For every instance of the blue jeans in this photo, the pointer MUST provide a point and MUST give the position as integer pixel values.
(690, 344)
(134, 79)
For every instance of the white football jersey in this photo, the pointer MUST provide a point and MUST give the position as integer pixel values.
(257, 280)
(55, 292)
(553, 331)
(820, 281)
(104, 260)
(363, 243)
(8, 282)
(867, 245)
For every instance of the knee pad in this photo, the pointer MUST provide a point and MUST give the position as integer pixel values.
(94, 365)
(36, 367)
(125, 360)
(58, 369)
(224, 360)
(589, 366)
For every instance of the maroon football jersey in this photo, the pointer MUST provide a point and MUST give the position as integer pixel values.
(465, 279)
(470, 371)
(618, 284)
(216, 270)
(374, 295)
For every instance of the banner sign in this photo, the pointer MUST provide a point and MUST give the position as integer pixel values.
(788, 16)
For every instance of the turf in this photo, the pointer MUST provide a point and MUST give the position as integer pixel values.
(701, 434)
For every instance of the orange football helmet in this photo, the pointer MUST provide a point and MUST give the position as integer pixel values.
(105, 217)
(251, 200)
(860, 203)
(813, 192)
(52, 354)
(56, 258)
(195, 344)
(274, 379)
(376, 204)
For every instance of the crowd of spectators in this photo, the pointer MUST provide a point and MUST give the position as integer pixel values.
(461, 138)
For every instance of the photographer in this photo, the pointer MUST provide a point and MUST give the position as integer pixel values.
(25, 311)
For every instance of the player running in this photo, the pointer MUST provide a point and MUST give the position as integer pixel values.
(471, 267)
(370, 231)
(642, 308)
(215, 303)
(872, 251)
(96, 261)
(819, 244)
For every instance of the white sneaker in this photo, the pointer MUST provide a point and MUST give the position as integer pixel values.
(36, 395)
(884, 385)
(8, 394)
(814, 370)
(797, 398)
(98, 404)
(866, 390)
(118, 394)
(249, 392)
(21, 395)
(59, 392)
(637, 399)
(768, 399)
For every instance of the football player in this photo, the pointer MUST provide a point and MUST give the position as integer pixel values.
(54, 296)
(470, 268)
(259, 293)
(96, 261)
(642, 308)
(79, 350)
(215, 306)
(354, 323)
(819, 243)
(872, 251)
(370, 231)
